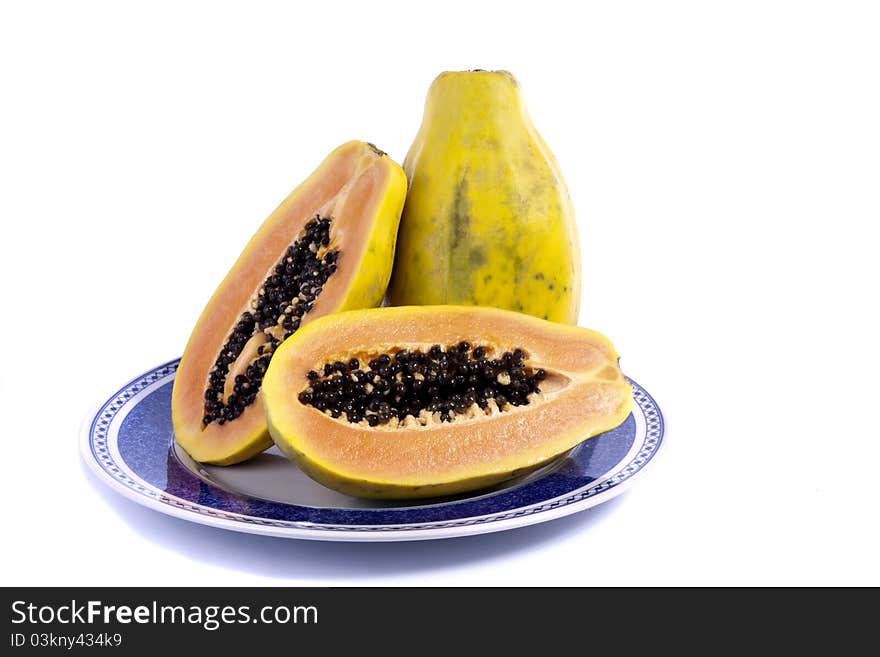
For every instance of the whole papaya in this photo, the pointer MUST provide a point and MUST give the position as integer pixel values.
(487, 220)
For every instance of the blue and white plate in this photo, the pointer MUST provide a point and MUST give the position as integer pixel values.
(129, 443)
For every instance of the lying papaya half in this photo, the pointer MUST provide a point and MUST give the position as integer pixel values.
(328, 247)
(488, 220)
(419, 401)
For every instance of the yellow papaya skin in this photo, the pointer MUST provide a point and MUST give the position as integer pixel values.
(488, 220)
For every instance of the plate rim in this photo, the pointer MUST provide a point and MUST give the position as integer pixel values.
(177, 508)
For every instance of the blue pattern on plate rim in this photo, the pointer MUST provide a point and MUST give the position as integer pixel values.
(581, 476)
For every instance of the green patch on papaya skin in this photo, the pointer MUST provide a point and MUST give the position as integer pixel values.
(518, 271)
(477, 257)
(461, 247)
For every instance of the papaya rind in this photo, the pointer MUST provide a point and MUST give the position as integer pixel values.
(371, 489)
(377, 257)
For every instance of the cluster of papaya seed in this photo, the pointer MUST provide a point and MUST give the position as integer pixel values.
(286, 295)
(447, 382)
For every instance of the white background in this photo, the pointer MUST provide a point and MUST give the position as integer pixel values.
(723, 159)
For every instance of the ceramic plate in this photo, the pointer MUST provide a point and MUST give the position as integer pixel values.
(129, 443)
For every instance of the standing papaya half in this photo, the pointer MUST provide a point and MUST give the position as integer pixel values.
(488, 220)
(328, 247)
